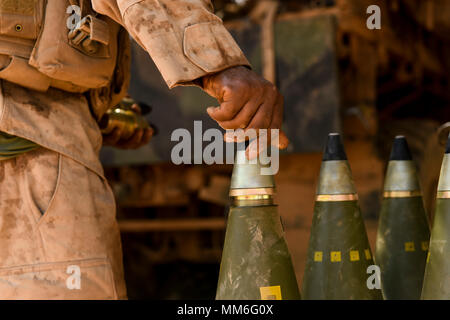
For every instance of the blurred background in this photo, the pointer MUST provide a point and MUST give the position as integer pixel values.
(336, 76)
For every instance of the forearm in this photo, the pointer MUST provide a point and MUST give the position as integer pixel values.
(184, 38)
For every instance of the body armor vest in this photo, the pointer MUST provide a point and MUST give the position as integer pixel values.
(64, 44)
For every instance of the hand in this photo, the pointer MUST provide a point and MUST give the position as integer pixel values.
(139, 138)
(247, 101)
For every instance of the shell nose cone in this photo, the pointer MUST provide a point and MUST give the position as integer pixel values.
(400, 149)
(334, 149)
(248, 176)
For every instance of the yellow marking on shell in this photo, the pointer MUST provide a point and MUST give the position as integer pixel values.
(354, 255)
(318, 256)
(425, 245)
(428, 256)
(335, 256)
(270, 293)
(409, 246)
(367, 254)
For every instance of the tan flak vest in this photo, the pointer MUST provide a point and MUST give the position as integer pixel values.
(64, 44)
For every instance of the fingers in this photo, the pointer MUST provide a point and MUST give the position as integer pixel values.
(227, 110)
(136, 108)
(243, 118)
(277, 122)
(133, 142)
(263, 116)
(268, 116)
(139, 138)
(247, 102)
(148, 134)
(112, 138)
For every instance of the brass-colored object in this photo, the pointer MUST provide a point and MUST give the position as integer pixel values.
(251, 192)
(124, 118)
(336, 197)
(402, 194)
(443, 195)
(254, 197)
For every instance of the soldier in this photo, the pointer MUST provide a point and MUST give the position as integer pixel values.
(62, 65)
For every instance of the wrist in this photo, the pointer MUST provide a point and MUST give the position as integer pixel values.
(206, 80)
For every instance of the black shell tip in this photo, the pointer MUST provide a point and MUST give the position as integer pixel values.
(334, 149)
(400, 149)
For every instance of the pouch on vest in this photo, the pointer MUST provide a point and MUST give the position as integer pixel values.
(76, 47)
(102, 99)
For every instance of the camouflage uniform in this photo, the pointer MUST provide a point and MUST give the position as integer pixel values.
(56, 208)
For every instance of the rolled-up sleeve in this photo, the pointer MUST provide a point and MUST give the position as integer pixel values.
(184, 37)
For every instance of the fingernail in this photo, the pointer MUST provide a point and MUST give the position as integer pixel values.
(212, 109)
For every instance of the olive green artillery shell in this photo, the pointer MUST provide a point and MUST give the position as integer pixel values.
(436, 284)
(256, 264)
(402, 247)
(338, 254)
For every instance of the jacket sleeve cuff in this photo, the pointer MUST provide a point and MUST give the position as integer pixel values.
(184, 58)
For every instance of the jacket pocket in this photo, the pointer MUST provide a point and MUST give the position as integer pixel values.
(18, 71)
(90, 279)
(41, 181)
(21, 18)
